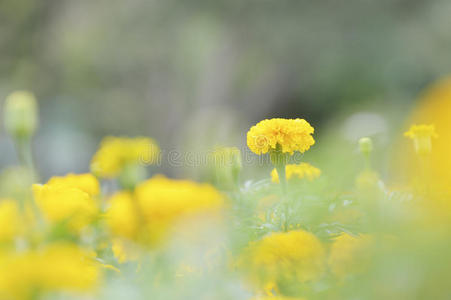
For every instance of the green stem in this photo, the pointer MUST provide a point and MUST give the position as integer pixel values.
(23, 147)
(367, 162)
(282, 178)
(279, 160)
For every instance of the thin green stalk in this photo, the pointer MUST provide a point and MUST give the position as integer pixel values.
(23, 148)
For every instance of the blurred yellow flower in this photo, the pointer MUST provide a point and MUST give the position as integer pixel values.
(86, 182)
(57, 267)
(350, 255)
(164, 201)
(10, 220)
(421, 136)
(294, 256)
(289, 134)
(300, 171)
(60, 203)
(122, 216)
(433, 107)
(115, 153)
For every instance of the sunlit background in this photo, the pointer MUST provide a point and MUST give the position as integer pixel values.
(195, 74)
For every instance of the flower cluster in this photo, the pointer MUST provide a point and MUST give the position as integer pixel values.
(122, 231)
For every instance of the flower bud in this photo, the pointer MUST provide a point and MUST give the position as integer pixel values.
(21, 114)
(226, 164)
(365, 145)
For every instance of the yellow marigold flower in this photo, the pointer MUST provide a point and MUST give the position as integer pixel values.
(290, 134)
(300, 171)
(295, 256)
(57, 267)
(115, 153)
(350, 255)
(10, 220)
(121, 217)
(421, 136)
(60, 203)
(85, 182)
(163, 201)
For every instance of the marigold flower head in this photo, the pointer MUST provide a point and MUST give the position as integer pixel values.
(421, 136)
(289, 134)
(349, 254)
(157, 204)
(57, 267)
(10, 220)
(165, 199)
(300, 171)
(86, 182)
(60, 201)
(122, 215)
(115, 153)
(293, 256)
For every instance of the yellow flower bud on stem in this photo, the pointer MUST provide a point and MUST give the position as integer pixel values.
(21, 121)
(366, 147)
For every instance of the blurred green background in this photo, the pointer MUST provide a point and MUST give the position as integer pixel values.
(194, 74)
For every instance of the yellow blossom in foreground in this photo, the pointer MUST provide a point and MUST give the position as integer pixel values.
(164, 201)
(294, 256)
(115, 153)
(57, 267)
(421, 136)
(60, 203)
(10, 220)
(289, 134)
(349, 254)
(85, 182)
(300, 171)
